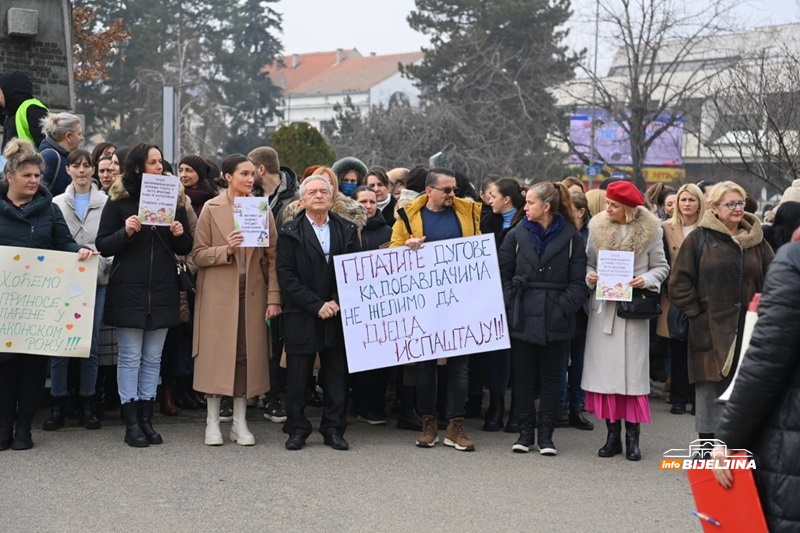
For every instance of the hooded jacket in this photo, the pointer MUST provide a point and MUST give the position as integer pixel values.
(143, 286)
(17, 88)
(286, 192)
(715, 297)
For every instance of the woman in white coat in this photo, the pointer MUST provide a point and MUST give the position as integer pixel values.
(616, 372)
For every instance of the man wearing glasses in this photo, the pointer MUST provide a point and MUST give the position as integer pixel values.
(435, 216)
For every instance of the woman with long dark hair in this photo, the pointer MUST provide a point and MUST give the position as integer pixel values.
(194, 172)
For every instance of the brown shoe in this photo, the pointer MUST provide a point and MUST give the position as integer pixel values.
(430, 434)
(456, 438)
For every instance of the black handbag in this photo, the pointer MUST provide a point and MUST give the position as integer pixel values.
(677, 324)
(186, 281)
(645, 305)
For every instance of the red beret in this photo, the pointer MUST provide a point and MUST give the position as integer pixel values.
(625, 193)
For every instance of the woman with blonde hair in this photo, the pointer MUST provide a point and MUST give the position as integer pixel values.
(689, 211)
(64, 134)
(713, 285)
(596, 198)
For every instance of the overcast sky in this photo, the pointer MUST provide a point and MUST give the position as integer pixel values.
(380, 25)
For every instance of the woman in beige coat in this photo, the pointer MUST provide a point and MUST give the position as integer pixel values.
(231, 347)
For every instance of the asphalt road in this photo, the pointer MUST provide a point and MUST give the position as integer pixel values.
(87, 481)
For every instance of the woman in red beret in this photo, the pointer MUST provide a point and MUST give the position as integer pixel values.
(616, 371)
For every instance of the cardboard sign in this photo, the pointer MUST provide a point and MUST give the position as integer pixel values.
(46, 302)
(251, 216)
(399, 306)
(158, 199)
(616, 271)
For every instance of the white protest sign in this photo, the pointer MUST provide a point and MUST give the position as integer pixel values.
(158, 199)
(399, 306)
(251, 216)
(615, 270)
(46, 302)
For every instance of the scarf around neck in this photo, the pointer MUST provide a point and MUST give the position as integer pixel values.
(541, 237)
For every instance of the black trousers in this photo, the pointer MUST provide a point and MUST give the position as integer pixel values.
(370, 391)
(333, 379)
(529, 363)
(277, 375)
(457, 369)
(22, 382)
(680, 391)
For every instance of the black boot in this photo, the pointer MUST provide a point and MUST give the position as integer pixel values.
(632, 452)
(474, 404)
(90, 420)
(563, 417)
(577, 420)
(613, 444)
(525, 440)
(408, 417)
(184, 397)
(109, 393)
(22, 435)
(513, 424)
(133, 432)
(545, 440)
(145, 421)
(56, 420)
(6, 434)
(494, 415)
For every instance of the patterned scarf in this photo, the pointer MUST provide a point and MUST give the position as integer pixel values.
(541, 237)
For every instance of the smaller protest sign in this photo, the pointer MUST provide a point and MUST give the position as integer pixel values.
(251, 217)
(615, 270)
(158, 199)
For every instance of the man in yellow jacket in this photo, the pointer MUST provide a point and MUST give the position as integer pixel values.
(435, 216)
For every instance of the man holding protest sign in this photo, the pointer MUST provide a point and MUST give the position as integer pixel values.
(306, 246)
(435, 216)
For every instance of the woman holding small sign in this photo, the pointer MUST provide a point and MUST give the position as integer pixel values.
(230, 345)
(28, 219)
(616, 371)
(142, 298)
(542, 267)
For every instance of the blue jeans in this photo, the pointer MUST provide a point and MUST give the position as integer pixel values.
(59, 366)
(139, 363)
(498, 370)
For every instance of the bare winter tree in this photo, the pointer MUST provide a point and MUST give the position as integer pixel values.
(667, 54)
(754, 115)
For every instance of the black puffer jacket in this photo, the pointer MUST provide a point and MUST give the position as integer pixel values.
(763, 413)
(307, 282)
(543, 294)
(143, 286)
(17, 88)
(376, 233)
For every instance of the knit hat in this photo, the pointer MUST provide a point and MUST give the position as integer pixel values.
(792, 194)
(625, 193)
(346, 164)
(199, 164)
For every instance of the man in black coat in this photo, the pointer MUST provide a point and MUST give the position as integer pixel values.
(312, 324)
(16, 95)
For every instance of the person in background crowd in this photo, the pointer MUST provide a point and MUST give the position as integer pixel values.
(750, 204)
(28, 219)
(656, 195)
(608, 181)
(142, 301)
(231, 345)
(572, 395)
(761, 414)
(308, 171)
(705, 186)
(378, 180)
(64, 134)
(438, 215)
(81, 204)
(104, 173)
(350, 173)
(686, 217)
(397, 182)
(787, 219)
(342, 205)
(616, 371)
(543, 268)
(466, 188)
(193, 171)
(118, 161)
(23, 113)
(596, 198)
(714, 293)
(102, 149)
(370, 386)
(669, 202)
(273, 181)
(573, 184)
(312, 325)
(506, 200)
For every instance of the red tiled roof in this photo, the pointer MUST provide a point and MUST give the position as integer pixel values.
(355, 74)
(307, 67)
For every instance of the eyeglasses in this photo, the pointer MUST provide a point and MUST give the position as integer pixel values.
(448, 190)
(733, 205)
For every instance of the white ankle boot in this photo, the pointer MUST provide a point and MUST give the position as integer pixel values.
(213, 434)
(239, 432)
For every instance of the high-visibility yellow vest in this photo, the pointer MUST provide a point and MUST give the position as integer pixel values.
(21, 119)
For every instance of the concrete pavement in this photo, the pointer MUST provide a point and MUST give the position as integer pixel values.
(76, 480)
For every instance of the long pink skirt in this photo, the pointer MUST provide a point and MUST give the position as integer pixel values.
(618, 406)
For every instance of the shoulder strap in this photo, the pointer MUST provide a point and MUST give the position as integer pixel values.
(58, 167)
(404, 217)
(166, 246)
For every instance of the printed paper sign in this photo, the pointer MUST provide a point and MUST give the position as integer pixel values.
(615, 270)
(251, 216)
(399, 306)
(158, 199)
(46, 302)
